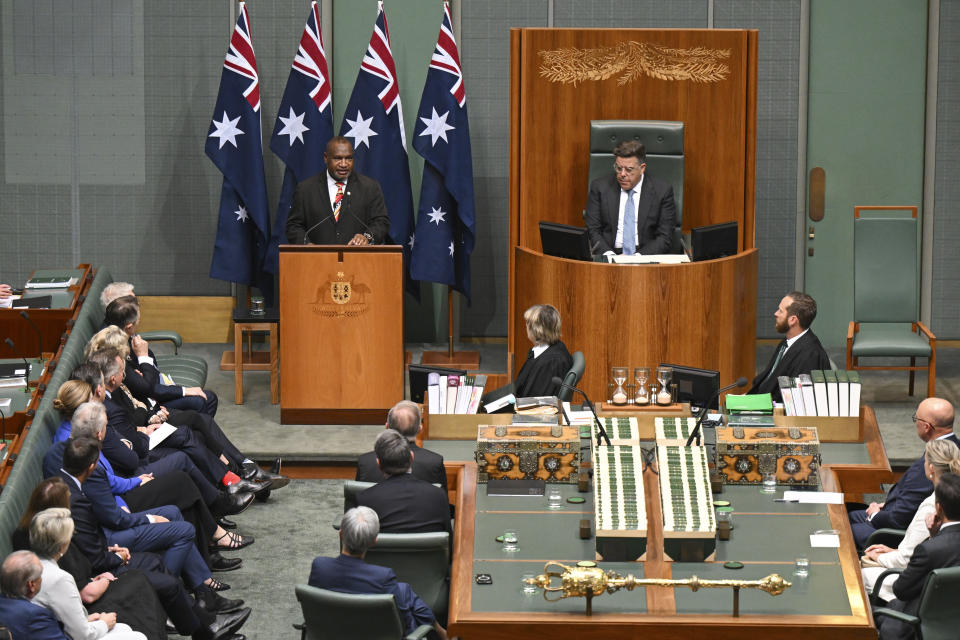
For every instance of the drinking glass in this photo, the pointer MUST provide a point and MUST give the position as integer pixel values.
(769, 483)
(554, 498)
(511, 541)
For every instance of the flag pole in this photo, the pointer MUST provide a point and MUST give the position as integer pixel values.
(469, 360)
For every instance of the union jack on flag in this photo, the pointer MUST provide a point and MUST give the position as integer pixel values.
(304, 124)
(445, 230)
(234, 146)
(373, 120)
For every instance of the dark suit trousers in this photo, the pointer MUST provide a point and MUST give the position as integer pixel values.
(208, 433)
(178, 605)
(178, 461)
(185, 440)
(195, 403)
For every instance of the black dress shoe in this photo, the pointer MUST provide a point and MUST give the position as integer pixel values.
(276, 480)
(219, 563)
(227, 524)
(246, 486)
(249, 470)
(277, 464)
(227, 624)
(213, 602)
(230, 504)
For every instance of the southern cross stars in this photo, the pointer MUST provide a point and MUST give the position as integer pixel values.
(437, 215)
(437, 127)
(227, 130)
(451, 248)
(360, 130)
(242, 215)
(293, 126)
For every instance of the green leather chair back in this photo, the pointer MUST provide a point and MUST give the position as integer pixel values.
(422, 560)
(938, 612)
(886, 270)
(351, 489)
(663, 140)
(573, 376)
(330, 615)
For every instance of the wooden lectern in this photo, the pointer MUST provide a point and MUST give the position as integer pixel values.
(341, 333)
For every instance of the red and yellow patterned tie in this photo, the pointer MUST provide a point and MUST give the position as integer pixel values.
(338, 202)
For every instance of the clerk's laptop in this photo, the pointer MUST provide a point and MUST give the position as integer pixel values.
(33, 302)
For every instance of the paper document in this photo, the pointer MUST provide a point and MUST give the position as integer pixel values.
(825, 540)
(160, 434)
(5, 404)
(814, 497)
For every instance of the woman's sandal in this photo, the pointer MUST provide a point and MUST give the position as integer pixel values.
(234, 541)
(218, 585)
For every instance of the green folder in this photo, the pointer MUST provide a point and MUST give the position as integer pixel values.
(756, 403)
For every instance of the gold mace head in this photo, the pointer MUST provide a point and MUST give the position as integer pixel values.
(775, 584)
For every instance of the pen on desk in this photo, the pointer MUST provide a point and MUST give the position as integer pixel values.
(784, 500)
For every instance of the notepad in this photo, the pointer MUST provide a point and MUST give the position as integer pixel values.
(160, 434)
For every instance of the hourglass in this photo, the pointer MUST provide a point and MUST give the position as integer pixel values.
(619, 393)
(663, 375)
(641, 375)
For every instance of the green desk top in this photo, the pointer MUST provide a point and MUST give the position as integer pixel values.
(59, 298)
(21, 396)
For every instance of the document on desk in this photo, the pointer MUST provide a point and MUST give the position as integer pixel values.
(825, 540)
(160, 434)
(578, 417)
(814, 497)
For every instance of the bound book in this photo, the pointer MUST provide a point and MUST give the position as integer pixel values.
(786, 392)
(750, 404)
(820, 392)
(833, 393)
(809, 397)
(854, 377)
(843, 393)
(54, 282)
(543, 405)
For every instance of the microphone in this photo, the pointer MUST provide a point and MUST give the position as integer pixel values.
(695, 434)
(601, 432)
(3, 420)
(36, 329)
(349, 209)
(306, 235)
(17, 351)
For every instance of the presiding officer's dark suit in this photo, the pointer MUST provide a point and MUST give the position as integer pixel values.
(803, 356)
(942, 550)
(363, 211)
(656, 215)
(407, 504)
(427, 466)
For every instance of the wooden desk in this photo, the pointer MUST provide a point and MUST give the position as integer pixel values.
(830, 604)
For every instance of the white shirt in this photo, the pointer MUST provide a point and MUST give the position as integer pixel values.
(332, 189)
(618, 243)
(539, 348)
(790, 341)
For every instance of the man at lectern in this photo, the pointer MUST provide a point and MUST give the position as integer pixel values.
(338, 206)
(629, 212)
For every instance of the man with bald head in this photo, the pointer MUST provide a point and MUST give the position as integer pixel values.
(405, 419)
(20, 579)
(934, 421)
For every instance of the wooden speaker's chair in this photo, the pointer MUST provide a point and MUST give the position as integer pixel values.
(573, 376)
(886, 293)
(422, 560)
(330, 615)
(663, 140)
(938, 617)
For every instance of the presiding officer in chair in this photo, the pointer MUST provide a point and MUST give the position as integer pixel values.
(629, 212)
(338, 206)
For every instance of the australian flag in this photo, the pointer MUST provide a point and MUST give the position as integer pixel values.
(304, 124)
(235, 146)
(445, 220)
(374, 122)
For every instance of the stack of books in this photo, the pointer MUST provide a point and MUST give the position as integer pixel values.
(454, 394)
(822, 393)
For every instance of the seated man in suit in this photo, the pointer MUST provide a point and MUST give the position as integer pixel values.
(934, 421)
(942, 549)
(799, 352)
(404, 503)
(405, 419)
(629, 212)
(338, 206)
(348, 573)
(20, 579)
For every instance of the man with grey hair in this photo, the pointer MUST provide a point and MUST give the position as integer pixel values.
(113, 291)
(348, 573)
(403, 502)
(20, 579)
(405, 419)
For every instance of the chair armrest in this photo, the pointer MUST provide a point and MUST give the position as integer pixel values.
(925, 331)
(169, 336)
(419, 632)
(302, 628)
(889, 537)
(878, 584)
(896, 615)
(851, 330)
(336, 523)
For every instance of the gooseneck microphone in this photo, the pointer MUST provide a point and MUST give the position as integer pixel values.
(601, 432)
(349, 209)
(695, 434)
(17, 351)
(36, 329)
(306, 235)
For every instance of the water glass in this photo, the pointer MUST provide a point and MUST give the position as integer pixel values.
(528, 589)
(511, 541)
(769, 483)
(554, 498)
(802, 567)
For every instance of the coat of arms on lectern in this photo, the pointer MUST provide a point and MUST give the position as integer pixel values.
(341, 297)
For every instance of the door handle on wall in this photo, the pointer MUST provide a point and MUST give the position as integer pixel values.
(818, 183)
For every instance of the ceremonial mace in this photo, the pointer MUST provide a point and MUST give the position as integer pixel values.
(594, 581)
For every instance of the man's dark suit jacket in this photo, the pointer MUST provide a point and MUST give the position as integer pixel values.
(347, 574)
(942, 550)
(29, 621)
(427, 466)
(407, 504)
(87, 534)
(656, 215)
(805, 355)
(363, 211)
(536, 375)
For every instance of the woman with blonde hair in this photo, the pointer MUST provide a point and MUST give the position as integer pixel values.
(940, 457)
(50, 533)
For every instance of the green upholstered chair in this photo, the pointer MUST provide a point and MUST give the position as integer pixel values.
(886, 293)
(890, 537)
(422, 560)
(938, 616)
(573, 376)
(663, 140)
(351, 489)
(330, 615)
